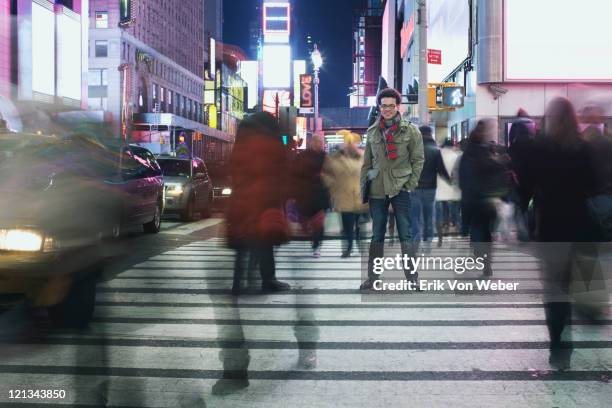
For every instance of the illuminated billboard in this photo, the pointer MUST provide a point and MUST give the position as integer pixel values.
(299, 68)
(276, 22)
(276, 66)
(569, 44)
(249, 71)
(449, 25)
(68, 56)
(273, 98)
(43, 50)
(306, 91)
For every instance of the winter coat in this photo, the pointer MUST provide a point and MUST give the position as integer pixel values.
(484, 172)
(396, 175)
(308, 190)
(449, 191)
(341, 174)
(433, 166)
(258, 170)
(521, 155)
(564, 178)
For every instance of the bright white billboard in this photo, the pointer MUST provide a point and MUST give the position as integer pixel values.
(68, 57)
(249, 71)
(449, 25)
(299, 68)
(43, 50)
(276, 66)
(558, 40)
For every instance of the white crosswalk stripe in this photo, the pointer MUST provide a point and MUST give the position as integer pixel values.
(167, 329)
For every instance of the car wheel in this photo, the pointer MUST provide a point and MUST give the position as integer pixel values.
(154, 225)
(188, 214)
(76, 310)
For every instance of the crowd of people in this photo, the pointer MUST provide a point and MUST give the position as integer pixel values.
(552, 184)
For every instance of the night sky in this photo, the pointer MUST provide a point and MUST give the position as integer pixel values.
(330, 28)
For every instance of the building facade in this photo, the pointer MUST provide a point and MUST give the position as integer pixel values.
(367, 40)
(505, 55)
(43, 57)
(147, 65)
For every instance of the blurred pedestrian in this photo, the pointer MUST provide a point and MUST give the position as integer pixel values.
(424, 196)
(484, 178)
(393, 162)
(341, 174)
(521, 146)
(466, 218)
(448, 194)
(309, 191)
(564, 179)
(255, 219)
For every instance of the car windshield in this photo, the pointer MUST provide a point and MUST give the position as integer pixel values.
(175, 168)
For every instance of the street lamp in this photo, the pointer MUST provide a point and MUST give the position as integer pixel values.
(317, 61)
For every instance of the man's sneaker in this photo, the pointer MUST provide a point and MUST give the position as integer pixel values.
(316, 252)
(275, 286)
(367, 284)
(346, 254)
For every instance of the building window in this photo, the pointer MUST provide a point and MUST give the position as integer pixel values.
(101, 19)
(169, 98)
(102, 48)
(98, 77)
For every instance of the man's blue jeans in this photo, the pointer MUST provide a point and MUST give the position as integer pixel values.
(422, 214)
(379, 210)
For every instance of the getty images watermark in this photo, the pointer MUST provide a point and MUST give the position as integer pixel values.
(459, 265)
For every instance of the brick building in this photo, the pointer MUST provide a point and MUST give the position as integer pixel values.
(147, 61)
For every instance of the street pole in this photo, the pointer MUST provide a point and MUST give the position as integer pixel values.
(316, 101)
(317, 62)
(423, 78)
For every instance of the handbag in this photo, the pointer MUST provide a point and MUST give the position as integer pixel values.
(273, 226)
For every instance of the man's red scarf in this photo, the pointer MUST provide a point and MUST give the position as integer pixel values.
(389, 133)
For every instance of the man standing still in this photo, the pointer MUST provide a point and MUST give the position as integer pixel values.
(393, 162)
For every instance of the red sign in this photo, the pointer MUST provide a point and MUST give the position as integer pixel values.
(434, 57)
(306, 97)
(406, 35)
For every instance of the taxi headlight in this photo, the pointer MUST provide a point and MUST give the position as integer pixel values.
(20, 240)
(226, 191)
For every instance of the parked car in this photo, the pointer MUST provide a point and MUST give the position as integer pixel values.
(57, 204)
(188, 186)
(141, 183)
(222, 187)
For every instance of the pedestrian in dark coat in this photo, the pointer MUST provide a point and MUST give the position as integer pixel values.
(258, 168)
(484, 178)
(521, 146)
(310, 192)
(424, 196)
(564, 178)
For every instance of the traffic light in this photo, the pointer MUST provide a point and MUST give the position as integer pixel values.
(286, 121)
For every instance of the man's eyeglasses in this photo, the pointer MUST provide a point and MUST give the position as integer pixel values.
(388, 107)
